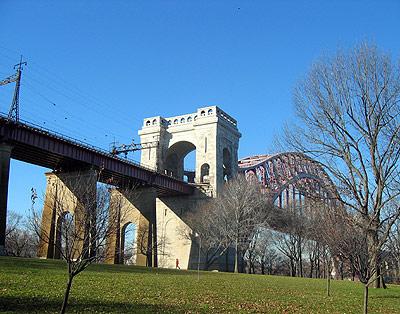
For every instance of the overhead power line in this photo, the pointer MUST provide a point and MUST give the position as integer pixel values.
(40, 82)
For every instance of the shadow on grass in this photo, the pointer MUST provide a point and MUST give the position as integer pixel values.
(135, 269)
(42, 305)
(387, 296)
(31, 263)
(12, 263)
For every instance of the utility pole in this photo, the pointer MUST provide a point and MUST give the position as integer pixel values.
(13, 114)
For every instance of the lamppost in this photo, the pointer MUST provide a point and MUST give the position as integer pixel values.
(197, 235)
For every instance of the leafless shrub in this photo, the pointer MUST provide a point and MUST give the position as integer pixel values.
(84, 221)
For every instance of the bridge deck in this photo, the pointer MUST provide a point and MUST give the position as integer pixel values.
(44, 148)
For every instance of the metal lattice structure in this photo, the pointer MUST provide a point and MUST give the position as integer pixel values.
(14, 109)
(289, 177)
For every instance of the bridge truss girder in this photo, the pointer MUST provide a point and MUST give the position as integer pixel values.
(290, 177)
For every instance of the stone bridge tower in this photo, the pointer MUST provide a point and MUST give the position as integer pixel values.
(214, 137)
(211, 132)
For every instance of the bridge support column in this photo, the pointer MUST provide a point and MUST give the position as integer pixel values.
(5, 154)
(139, 208)
(66, 193)
(174, 234)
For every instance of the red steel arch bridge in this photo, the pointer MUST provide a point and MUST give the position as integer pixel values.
(289, 177)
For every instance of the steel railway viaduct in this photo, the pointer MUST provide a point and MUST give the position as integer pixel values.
(165, 195)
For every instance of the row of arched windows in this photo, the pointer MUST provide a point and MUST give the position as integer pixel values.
(209, 112)
(148, 123)
(181, 120)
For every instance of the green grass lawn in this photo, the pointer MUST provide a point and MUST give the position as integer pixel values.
(32, 285)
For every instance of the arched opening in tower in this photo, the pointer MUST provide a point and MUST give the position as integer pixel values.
(128, 243)
(205, 173)
(189, 167)
(64, 232)
(226, 164)
(180, 161)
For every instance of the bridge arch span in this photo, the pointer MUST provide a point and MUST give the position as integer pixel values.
(289, 177)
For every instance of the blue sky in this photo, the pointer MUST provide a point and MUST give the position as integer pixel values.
(96, 69)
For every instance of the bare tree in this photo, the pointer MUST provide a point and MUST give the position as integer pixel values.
(244, 209)
(143, 245)
(313, 248)
(270, 261)
(347, 238)
(287, 244)
(146, 246)
(349, 112)
(20, 241)
(230, 220)
(264, 253)
(291, 241)
(13, 222)
(251, 254)
(80, 209)
(205, 220)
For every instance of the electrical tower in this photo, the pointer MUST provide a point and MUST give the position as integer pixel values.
(13, 113)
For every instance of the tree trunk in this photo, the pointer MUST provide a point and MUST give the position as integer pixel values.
(377, 283)
(227, 260)
(66, 294)
(341, 270)
(311, 267)
(240, 262)
(328, 285)
(373, 243)
(365, 299)
(207, 261)
(328, 280)
(300, 253)
(293, 269)
(317, 262)
(382, 280)
(236, 256)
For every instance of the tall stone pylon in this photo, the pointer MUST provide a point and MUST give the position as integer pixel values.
(214, 136)
(66, 193)
(211, 132)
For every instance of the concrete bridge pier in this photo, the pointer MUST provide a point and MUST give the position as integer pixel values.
(138, 207)
(66, 193)
(5, 154)
(173, 233)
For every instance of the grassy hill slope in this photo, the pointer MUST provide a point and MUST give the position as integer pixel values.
(32, 285)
